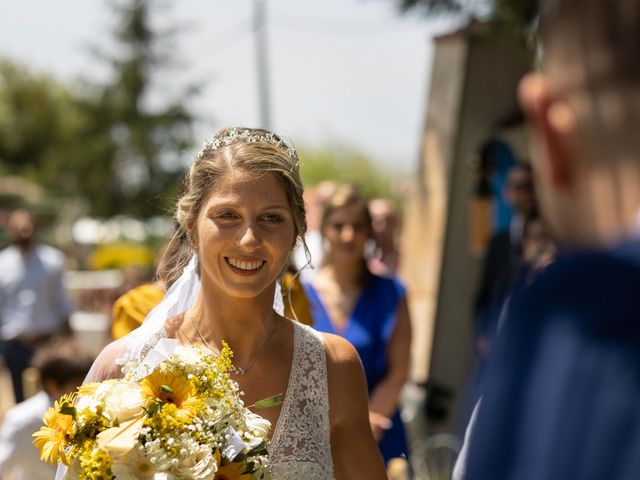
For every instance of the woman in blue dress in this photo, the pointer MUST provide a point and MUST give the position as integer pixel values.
(368, 310)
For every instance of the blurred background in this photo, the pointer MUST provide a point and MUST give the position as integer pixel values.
(104, 103)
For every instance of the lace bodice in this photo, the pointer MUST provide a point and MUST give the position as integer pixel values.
(301, 445)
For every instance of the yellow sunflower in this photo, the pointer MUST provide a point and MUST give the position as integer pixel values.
(52, 438)
(230, 471)
(171, 388)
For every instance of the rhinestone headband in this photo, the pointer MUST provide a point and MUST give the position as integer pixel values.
(245, 136)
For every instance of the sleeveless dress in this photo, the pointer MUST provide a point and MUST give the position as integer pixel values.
(369, 329)
(301, 445)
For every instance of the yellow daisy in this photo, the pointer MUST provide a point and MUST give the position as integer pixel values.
(171, 388)
(230, 471)
(52, 438)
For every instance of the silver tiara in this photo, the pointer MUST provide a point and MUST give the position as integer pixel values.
(244, 135)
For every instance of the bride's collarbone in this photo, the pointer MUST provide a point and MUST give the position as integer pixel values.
(270, 374)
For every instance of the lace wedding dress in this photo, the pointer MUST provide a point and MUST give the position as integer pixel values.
(300, 447)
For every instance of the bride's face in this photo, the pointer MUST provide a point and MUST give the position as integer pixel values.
(244, 234)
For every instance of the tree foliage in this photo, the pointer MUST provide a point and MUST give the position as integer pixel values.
(102, 142)
(517, 16)
(40, 123)
(141, 145)
(347, 165)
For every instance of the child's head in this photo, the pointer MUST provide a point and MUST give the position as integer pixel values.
(63, 364)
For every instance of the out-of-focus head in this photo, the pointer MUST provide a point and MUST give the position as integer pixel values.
(519, 189)
(346, 223)
(590, 58)
(384, 219)
(230, 152)
(538, 248)
(21, 227)
(315, 198)
(63, 364)
(584, 108)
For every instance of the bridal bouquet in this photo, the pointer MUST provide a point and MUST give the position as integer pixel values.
(177, 415)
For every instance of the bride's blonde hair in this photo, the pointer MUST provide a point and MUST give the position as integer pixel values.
(252, 150)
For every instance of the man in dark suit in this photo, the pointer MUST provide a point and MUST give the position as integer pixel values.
(503, 257)
(561, 398)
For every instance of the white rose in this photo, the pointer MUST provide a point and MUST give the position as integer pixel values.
(124, 402)
(198, 462)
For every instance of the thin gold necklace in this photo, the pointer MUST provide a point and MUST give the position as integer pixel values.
(235, 369)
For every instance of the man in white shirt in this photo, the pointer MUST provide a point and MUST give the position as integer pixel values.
(33, 302)
(62, 364)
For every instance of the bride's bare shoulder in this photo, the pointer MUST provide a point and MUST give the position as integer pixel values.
(344, 368)
(339, 351)
(107, 364)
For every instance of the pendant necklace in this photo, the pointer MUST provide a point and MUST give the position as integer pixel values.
(238, 370)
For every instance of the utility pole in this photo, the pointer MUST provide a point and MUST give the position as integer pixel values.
(260, 30)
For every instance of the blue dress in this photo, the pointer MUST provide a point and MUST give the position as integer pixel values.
(368, 329)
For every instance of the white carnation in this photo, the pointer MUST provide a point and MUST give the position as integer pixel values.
(196, 461)
(133, 466)
(163, 476)
(258, 425)
(87, 402)
(92, 402)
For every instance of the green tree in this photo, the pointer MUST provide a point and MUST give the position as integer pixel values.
(349, 166)
(40, 124)
(140, 145)
(516, 16)
(102, 142)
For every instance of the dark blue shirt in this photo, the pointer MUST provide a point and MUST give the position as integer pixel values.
(561, 398)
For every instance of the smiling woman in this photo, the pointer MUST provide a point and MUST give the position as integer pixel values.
(236, 224)
(244, 235)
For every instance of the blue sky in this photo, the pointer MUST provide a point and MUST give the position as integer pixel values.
(351, 72)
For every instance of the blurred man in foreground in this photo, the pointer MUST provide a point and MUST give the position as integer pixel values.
(561, 396)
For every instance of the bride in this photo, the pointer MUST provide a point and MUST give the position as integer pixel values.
(237, 223)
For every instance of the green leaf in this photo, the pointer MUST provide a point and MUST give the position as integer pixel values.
(67, 409)
(166, 389)
(269, 402)
(153, 408)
